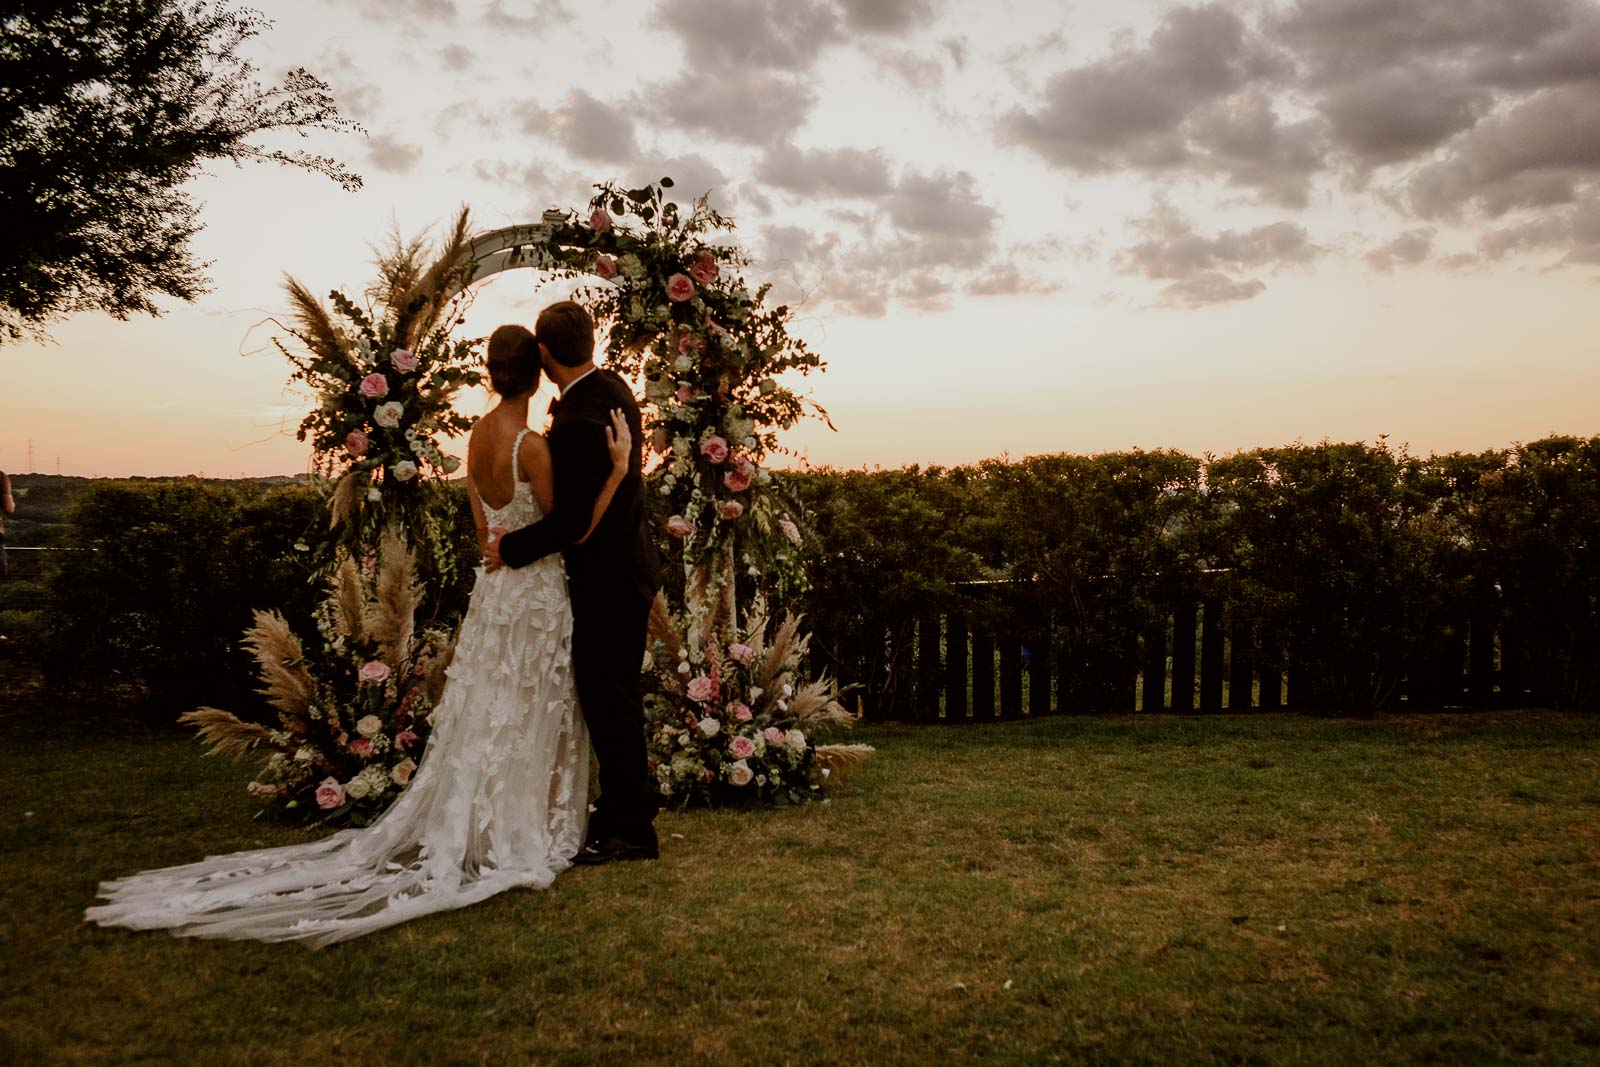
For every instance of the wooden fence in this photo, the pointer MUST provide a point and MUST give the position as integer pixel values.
(947, 668)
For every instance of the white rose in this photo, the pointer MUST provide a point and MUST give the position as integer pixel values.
(356, 788)
(374, 495)
(683, 668)
(649, 661)
(796, 738)
(710, 726)
(388, 414)
(739, 773)
(369, 726)
(682, 364)
(404, 471)
(788, 690)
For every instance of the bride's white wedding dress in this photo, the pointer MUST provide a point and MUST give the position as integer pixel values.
(500, 799)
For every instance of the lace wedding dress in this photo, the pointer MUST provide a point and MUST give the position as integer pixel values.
(500, 799)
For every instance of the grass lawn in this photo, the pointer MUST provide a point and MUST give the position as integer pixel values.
(1262, 889)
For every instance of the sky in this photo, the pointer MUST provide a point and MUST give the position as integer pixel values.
(1010, 228)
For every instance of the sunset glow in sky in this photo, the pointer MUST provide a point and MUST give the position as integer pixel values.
(1010, 227)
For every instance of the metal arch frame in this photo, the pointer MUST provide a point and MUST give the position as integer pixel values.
(509, 248)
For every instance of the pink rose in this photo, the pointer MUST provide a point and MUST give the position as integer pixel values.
(715, 449)
(688, 344)
(774, 735)
(679, 288)
(703, 269)
(741, 747)
(374, 387)
(742, 654)
(678, 526)
(742, 712)
(361, 747)
(330, 794)
(600, 221)
(373, 671)
(404, 360)
(702, 688)
(683, 395)
(730, 509)
(738, 479)
(356, 443)
(605, 266)
(405, 738)
(401, 772)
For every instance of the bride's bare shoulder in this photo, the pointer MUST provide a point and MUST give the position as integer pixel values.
(535, 452)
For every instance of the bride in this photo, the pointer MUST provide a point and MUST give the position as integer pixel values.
(501, 797)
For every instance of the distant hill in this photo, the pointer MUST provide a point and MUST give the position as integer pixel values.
(43, 501)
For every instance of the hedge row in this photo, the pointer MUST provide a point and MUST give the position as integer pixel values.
(1360, 558)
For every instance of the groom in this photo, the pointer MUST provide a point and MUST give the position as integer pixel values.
(612, 577)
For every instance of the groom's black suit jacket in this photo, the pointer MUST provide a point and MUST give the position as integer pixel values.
(620, 557)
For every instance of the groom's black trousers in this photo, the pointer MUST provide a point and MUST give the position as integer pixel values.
(609, 629)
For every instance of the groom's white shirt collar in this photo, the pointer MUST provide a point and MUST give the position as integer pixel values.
(578, 379)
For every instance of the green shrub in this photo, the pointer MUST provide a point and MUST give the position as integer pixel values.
(165, 581)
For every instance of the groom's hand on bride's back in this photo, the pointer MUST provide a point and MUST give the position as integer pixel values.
(491, 550)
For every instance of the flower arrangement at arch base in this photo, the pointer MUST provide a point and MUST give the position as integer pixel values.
(354, 710)
(736, 723)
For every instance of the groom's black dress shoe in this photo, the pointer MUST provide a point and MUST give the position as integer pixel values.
(607, 849)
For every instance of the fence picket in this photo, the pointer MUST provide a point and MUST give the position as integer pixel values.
(1241, 667)
(982, 674)
(1183, 638)
(1211, 656)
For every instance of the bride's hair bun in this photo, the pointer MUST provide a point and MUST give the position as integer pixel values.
(513, 360)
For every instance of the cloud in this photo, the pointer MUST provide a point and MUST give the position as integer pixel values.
(692, 177)
(1573, 231)
(390, 155)
(420, 10)
(1009, 280)
(888, 16)
(1201, 267)
(845, 172)
(356, 96)
(1244, 140)
(1468, 112)
(925, 237)
(724, 36)
(750, 107)
(1535, 154)
(547, 14)
(1409, 249)
(1341, 40)
(1128, 110)
(455, 57)
(917, 71)
(588, 129)
(1397, 114)
(1210, 287)
(942, 204)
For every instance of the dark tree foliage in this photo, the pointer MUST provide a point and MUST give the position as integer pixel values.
(107, 108)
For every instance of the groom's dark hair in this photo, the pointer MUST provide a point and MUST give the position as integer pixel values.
(568, 332)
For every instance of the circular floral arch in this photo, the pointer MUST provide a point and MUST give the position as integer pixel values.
(729, 708)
